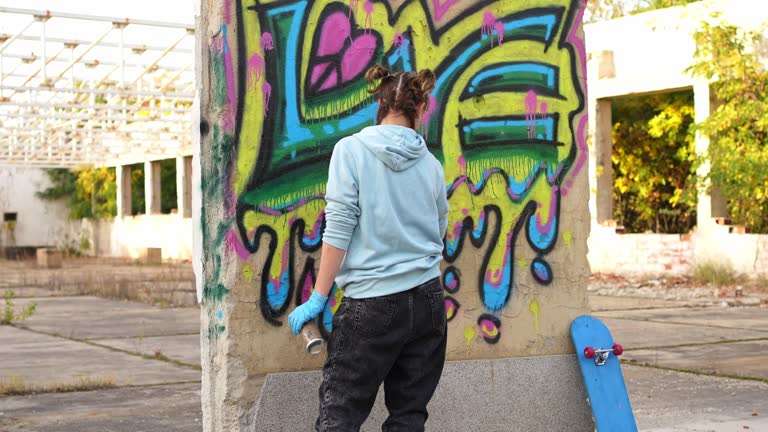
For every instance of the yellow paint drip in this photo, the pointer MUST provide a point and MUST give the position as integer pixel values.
(248, 273)
(568, 239)
(534, 307)
(522, 263)
(469, 335)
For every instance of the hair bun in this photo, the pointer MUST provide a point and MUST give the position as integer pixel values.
(426, 80)
(375, 73)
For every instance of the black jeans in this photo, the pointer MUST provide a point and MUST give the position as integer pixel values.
(399, 340)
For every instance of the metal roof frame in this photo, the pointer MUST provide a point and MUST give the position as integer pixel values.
(99, 100)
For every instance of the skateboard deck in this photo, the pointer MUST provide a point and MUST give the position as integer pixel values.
(601, 371)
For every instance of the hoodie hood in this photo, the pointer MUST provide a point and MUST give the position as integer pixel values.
(398, 147)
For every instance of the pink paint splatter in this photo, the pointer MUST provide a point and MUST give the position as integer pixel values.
(227, 11)
(266, 90)
(442, 7)
(255, 69)
(368, 25)
(353, 6)
(544, 108)
(531, 105)
(399, 39)
(465, 212)
(488, 20)
(499, 27)
(431, 109)
(462, 163)
(490, 25)
(267, 44)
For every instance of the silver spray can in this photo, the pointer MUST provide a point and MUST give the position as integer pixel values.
(314, 341)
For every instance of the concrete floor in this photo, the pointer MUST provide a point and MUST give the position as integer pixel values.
(73, 337)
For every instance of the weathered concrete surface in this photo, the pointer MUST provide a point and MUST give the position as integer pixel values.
(599, 303)
(634, 334)
(747, 359)
(535, 393)
(672, 401)
(751, 318)
(183, 348)
(662, 400)
(173, 408)
(43, 359)
(86, 317)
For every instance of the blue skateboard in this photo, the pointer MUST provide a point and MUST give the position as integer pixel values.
(600, 368)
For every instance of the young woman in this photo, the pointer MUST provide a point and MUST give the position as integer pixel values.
(386, 217)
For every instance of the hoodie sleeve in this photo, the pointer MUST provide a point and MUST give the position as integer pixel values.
(442, 201)
(341, 196)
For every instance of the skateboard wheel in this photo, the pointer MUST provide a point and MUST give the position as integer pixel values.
(618, 349)
(589, 352)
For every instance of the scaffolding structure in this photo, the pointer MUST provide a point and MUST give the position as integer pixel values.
(80, 90)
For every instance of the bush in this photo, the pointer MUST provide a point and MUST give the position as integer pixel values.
(10, 314)
(713, 273)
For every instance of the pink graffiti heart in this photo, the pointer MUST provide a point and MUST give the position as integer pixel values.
(334, 45)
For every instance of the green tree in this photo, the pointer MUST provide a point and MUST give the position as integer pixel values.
(168, 185)
(89, 193)
(738, 128)
(653, 156)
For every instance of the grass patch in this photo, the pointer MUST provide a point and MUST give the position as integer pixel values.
(717, 274)
(16, 385)
(10, 314)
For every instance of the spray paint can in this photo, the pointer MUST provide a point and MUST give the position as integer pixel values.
(314, 342)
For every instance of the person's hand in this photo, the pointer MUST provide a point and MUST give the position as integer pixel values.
(306, 312)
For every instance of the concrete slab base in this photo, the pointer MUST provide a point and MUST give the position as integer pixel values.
(643, 334)
(172, 408)
(45, 360)
(751, 318)
(746, 359)
(184, 348)
(87, 317)
(528, 394)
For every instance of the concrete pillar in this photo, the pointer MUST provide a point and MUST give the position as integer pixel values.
(184, 185)
(124, 207)
(152, 187)
(603, 139)
(261, 212)
(711, 203)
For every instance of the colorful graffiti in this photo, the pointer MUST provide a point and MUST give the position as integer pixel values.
(506, 119)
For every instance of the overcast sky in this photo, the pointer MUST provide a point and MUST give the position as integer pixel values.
(158, 10)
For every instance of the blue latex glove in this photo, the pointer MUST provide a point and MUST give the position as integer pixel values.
(306, 312)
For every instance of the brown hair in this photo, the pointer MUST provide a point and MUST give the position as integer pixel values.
(400, 92)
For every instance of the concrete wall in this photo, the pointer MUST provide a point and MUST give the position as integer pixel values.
(656, 254)
(650, 52)
(39, 222)
(281, 84)
(130, 236)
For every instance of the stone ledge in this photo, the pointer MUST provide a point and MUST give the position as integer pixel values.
(528, 394)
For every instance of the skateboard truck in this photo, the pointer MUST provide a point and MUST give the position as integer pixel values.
(601, 355)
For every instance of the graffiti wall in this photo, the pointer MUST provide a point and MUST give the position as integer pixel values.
(507, 120)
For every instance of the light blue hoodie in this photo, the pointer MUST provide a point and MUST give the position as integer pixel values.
(387, 208)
